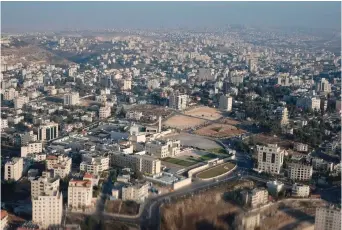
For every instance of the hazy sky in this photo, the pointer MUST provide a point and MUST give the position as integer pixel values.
(35, 16)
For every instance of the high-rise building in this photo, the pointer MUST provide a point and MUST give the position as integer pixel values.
(178, 101)
(282, 115)
(72, 98)
(47, 209)
(323, 86)
(14, 169)
(226, 103)
(80, 194)
(48, 132)
(43, 185)
(328, 218)
(270, 158)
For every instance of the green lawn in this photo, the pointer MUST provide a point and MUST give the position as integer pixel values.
(208, 156)
(218, 151)
(178, 161)
(216, 171)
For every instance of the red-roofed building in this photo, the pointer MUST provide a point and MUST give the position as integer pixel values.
(4, 219)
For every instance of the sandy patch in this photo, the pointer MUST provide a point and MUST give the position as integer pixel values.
(205, 112)
(183, 122)
(219, 130)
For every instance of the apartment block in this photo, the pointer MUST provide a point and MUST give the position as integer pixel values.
(44, 185)
(136, 192)
(143, 163)
(300, 190)
(22, 139)
(225, 103)
(94, 165)
(14, 169)
(19, 102)
(323, 86)
(162, 149)
(47, 209)
(48, 132)
(80, 194)
(313, 103)
(10, 94)
(282, 115)
(72, 98)
(178, 101)
(300, 147)
(31, 148)
(300, 171)
(59, 165)
(3, 124)
(270, 158)
(328, 218)
(255, 197)
(104, 112)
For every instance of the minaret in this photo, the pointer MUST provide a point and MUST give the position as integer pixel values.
(160, 125)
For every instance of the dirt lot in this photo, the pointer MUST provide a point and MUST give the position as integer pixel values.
(122, 207)
(266, 139)
(183, 122)
(155, 110)
(204, 112)
(219, 131)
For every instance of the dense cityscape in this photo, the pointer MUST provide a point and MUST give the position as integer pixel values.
(236, 127)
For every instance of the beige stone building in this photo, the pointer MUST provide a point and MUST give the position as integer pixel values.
(270, 158)
(300, 172)
(80, 194)
(328, 218)
(95, 165)
(72, 98)
(137, 192)
(60, 165)
(226, 103)
(104, 112)
(43, 185)
(300, 190)
(14, 169)
(48, 132)
(31, 148)
(162, 149)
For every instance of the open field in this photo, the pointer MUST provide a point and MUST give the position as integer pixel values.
(204, 112)
(183, 122)
(179, 161)
(266, 139)
(219, 131)
(216, 171)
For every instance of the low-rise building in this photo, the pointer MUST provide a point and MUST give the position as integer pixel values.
(300, 190)
(14, 169)
(300, 147)
(136, 192)
(255, 197)
(94, 165)
(163, 149)
(60, 165)
(104, 112)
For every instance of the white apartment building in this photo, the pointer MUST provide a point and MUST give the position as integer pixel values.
(300, 171)
(255, 197)
(270, 158)
(133, 115)
(300, 147)
(47, 209)
(328, 218)
(162, 149)
(60, 165)
(94, 165)
(31, 148)
(48, 132)
(143, 163)
(43, 185)
(178, 101)
(10, 94)
(225, 103)
(137, 192)
(320, 164)
(300, 190)
(4, 124)
(80, 194)
(19, 102)
(72, 98)
(104, 112)
(14, 169)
